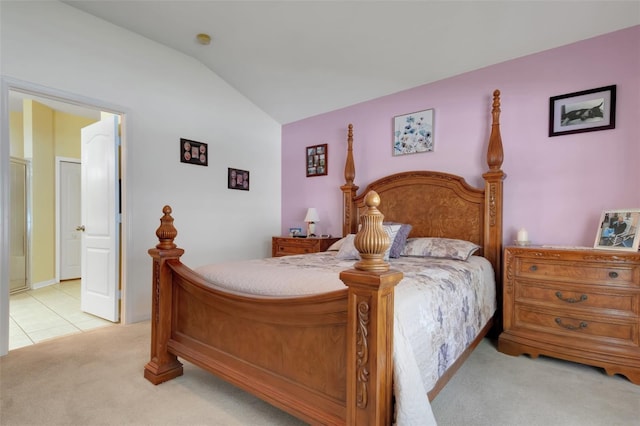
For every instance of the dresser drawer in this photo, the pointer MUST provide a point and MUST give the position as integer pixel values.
(577, 326)
(591, 299)
(584, 273)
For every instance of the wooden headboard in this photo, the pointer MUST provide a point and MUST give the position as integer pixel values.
(438, 204)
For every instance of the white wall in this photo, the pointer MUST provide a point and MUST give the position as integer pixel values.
(165, 95)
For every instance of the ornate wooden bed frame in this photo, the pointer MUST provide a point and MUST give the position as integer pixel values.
(327, 358)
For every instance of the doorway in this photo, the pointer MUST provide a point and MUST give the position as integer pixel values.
(60, 103)
(68, 208)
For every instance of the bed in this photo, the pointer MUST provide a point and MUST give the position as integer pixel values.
(328, 357)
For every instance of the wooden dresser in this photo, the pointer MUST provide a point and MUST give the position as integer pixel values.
(284, 246)
(581, 305)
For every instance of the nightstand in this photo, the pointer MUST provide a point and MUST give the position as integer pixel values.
(580, 305)
(284, 246)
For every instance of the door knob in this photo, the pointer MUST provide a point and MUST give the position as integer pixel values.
(80, 228)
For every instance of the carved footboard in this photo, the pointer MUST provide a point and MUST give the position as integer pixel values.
(326, 359)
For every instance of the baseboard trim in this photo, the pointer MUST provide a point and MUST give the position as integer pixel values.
(42, 284)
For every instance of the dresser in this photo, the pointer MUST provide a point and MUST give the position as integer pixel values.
(580, 305)
(284, 246)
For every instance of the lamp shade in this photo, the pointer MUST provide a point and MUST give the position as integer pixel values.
(312, 215)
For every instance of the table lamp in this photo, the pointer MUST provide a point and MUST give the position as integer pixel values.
(311, 219)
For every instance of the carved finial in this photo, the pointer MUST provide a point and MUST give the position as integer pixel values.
(372, 241)
(495, 155)
(349, 166)
(166, 232)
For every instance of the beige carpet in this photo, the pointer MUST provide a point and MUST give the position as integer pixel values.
(96, 378)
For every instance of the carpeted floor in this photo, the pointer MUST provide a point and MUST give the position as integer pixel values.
(96, 378)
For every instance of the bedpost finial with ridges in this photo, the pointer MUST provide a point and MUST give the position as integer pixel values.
(166, 232)
(372, 241)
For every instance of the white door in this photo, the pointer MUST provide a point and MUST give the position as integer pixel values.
(100, 219)
(70, 220)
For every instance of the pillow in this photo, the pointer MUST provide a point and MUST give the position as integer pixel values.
(336, 246)
(348, 250)
(445, 248)
(400, 240)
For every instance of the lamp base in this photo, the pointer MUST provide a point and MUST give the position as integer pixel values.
(311, 229)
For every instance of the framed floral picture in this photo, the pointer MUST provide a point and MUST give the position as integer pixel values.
(618, 230)
(413, 133)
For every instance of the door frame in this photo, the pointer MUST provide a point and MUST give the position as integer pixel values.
(8, 84)
(58, 210)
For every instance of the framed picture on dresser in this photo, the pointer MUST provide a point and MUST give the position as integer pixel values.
(618, 230)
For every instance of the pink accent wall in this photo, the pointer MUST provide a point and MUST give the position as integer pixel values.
(556, 187)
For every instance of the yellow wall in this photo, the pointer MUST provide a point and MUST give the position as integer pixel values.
(38, 130)
(42, 134)
(16, 134)
(66, 134)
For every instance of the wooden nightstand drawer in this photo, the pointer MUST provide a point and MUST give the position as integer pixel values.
(578, 298)
(576, 326)
(286, 246)
(294, 247)
(583, 273)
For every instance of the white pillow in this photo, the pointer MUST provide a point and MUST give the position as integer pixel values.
(336, 246)
(348, 250)
(446, 248)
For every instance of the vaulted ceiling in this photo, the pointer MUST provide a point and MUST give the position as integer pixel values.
(296, 59)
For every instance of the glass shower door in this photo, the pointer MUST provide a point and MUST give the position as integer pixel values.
(18, 231)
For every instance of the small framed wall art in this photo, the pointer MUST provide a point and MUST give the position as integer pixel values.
(193, 152)
(585, 111)
(618, 230)
(317, 164)
(413, 133)
(237, 179)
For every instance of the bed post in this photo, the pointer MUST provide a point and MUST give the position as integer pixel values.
(370, 324)
(163, 365)
(493, 203)
(349, 222)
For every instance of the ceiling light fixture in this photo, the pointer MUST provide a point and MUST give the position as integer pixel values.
(204, 39)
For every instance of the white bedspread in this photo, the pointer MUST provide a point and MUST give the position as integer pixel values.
(440, 307)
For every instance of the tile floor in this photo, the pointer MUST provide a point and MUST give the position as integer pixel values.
(49, 312)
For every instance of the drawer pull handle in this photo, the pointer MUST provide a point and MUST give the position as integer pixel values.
(571, 327)
(533, 268)
(582, 298)
(613, 274)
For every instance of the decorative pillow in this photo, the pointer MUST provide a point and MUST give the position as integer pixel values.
(336, 246)
(446, 248)
(392, 232)
(348, 250)
(400, 240)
